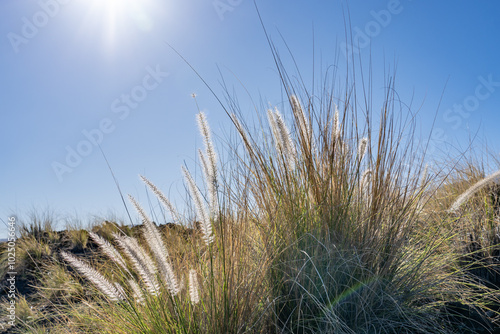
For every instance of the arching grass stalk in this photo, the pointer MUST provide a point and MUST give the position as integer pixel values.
(472, 190)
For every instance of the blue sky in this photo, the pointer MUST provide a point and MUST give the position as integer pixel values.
(74, 73)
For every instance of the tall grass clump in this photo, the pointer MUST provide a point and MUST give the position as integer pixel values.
(316, 224)
(337, 225)
(339, 217)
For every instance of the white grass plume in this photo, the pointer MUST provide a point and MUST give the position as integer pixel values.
(210, 163)
(363, 143)
(274, 129)
(206, 224)
(170, 279)
(109, 250)
(209, 146)
(153, 237)
(155, 241)
(138, 294)
(166, 203)
(285, 139)
(300, 115)
(120, 289)
(105, 286)
(336, 124)
(193, 287)
(141, 262)
(204, 166)
(211, 186)
(472, 190)
(304, 125)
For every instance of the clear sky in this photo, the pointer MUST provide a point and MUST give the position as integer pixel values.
(77, 72)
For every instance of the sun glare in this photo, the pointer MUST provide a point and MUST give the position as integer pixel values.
(114, 19)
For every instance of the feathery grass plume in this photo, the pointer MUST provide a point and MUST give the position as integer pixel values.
(300, 115)
(209, 147)
(109, 250)
(211, 188)
(282, 138)
(362, 148)
(168, 205)
(138, 294)
(336, 124)
(302, 120)
(472, 190)
(211, 170)
(153, 237)
(141, 261)
(105, 286)
(160, 252)
(286, 139)
(204, 166)
(274, 129)
(170, 279)
(206, 224)
(120, 288)
(193, 287)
